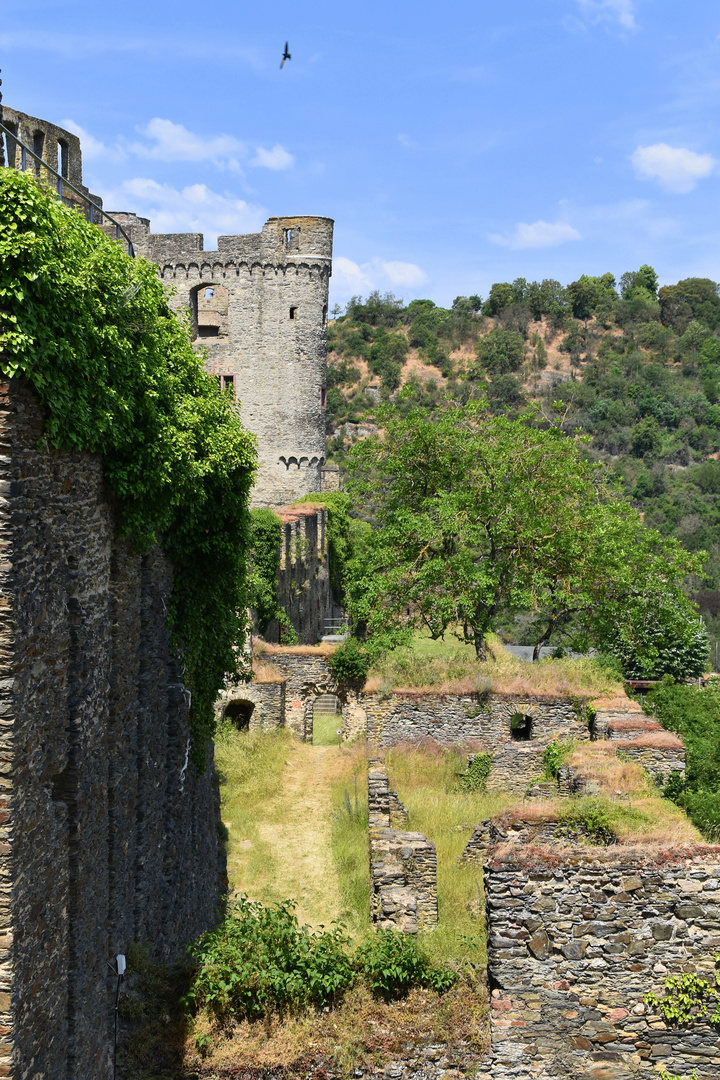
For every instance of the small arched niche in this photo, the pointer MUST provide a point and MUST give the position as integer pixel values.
(239, 713)
(521, 727)
(209, 305)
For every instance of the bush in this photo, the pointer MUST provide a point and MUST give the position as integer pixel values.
(501, 351)
(392, 963)
(259, 960)
(555, 755)
(592, 815)
(349, 662)
(475, 779)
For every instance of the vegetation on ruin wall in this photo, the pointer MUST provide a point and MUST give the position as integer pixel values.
(92, 331)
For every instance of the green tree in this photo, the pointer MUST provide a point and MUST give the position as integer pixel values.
(587, 294)
(646, 438)
(642, 282)
(691, 298)
(500, 352)
(467, 508)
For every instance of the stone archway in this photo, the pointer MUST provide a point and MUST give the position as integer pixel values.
(239, 711)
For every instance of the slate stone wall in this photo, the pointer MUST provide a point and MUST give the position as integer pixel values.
(403, 865)
(109, 835)
(574, 946)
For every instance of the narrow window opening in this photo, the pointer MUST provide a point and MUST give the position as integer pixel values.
(323, 396)
(228, 382)
(521, 727)
(325, 314)
(38, 145)
(293, 312)
(208, 331)
(209, 294)
(63, 158)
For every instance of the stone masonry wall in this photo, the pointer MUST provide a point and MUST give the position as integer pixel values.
(109, 835)
(258, 306)
(403, 865)
(573, 947)
(304, 578)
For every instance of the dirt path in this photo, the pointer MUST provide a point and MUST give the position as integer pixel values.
(297, 833)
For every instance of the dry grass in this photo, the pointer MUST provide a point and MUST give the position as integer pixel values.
(266, 648)
(362, 1033)
(644, 722)
(661, 740)
(621, 703)
(456, 671)
(264, 672)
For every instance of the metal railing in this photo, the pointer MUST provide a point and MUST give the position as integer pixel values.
(62, 181)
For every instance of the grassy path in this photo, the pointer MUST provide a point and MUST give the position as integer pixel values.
(277, 804)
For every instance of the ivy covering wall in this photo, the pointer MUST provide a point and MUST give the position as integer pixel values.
(91, 329)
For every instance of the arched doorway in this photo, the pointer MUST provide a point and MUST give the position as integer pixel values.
(239, 712)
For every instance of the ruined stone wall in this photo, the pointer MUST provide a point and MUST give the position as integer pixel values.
(264, 328)
(405, 716)
(403, 865)
(56, 146)
(574, 946)
(304, 579)
(109, 834)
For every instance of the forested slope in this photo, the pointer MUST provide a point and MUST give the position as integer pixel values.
(633, 367)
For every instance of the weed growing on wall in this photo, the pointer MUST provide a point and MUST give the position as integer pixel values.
(689, 998)
(555, 754)
(115, 370)
(476, 775)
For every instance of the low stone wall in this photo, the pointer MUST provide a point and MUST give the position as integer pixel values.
(405, 716)
(403, 865)
(574, 947)
(518, 830)
(659, 761)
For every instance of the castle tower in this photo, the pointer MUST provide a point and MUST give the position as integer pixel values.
(258, 306)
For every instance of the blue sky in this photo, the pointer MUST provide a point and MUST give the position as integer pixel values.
(455, 144)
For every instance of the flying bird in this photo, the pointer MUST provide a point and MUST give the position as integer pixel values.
(286, 56)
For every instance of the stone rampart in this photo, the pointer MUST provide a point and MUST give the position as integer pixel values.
(520, 830)
(403, 865)
(574, 946)
(109, 834)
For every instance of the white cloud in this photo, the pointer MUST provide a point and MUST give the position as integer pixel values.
(193, 209)
(407, 142)
(538, 235)
(277, 158)
(674, 167)
(173, 142)
(351, 278)
(619, 11)
(91, 147)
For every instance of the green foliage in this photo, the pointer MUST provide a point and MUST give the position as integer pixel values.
(92, 331)
(555, 755)
(691, 298)
(155, 1023)
(393, 963)
(260, 960)
(689, 998)
(694, 714)
(476, 775)
(349, 663)
(593, 816)
(442, 558)
(501, 351)
(266, 537)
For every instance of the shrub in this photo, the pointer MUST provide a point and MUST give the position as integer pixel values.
(349, 662)
(591, 815)
(259, 960)
(392, 963)
(555, 755)
(475, 779)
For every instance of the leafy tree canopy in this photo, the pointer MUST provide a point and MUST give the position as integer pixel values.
(475, 514)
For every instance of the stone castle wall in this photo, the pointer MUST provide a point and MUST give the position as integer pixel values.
(574, 946)
(258, 305)
(109, 835)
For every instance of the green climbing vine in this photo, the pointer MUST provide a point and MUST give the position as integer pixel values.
(266, 538)
(339, 540)
(689, 998)
(92, 331)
